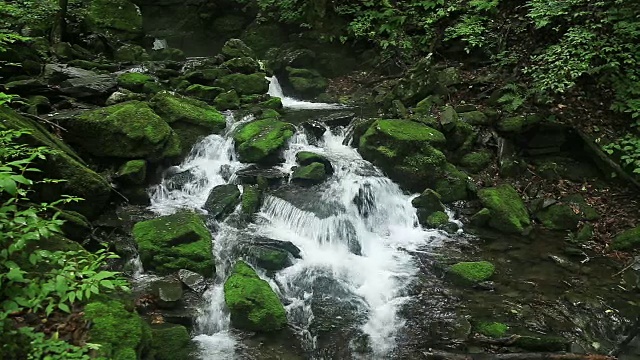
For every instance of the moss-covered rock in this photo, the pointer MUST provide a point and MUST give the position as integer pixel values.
(627, 240)
(476, 118)
(243, 65)
(134, 81)
(508, 212)
(541, 343)
(205, 76)
(254, 306)
(313, 173)
(227, 100)
(133, 172)
(76, 226)
(476, 161)
(222, 200)
(472, 272)
(262, 141)
(452, 184)
(129, 130)
(39, 104)
(437, 219)
(307, 83)
(131, 53)
(244, 84)
(80, 181)
(307, 158)
(427, 203)
(271, 259)
(171, 342)
(189, 118)
(121, 332)
(274, 103)
(235, 48)
(518, 124)
(406, 151)
(251, 200)
(168, 54)
(492, 329)
(118, 19)
(481, 218)
(174, 242)
(567, 214)
(203, 92)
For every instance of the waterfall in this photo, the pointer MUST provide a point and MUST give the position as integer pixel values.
(355, 232)
(288, 102)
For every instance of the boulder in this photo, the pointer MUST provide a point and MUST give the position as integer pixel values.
(406, 151)
(243, 65)
(76, 226)
(222, 200)
(167, 292)
(131, 53)
(472, 272)
(314, 130)
(171, 342)
(119, 330)
(427, 203)
(203, 92)
(227, 100)
(255, 175)
(254, 306)
(518, 124)
(134, 81)
(133, 172)
(129, 130)
(476, 161)
(117, 19)
(27, 87)
(244, 84)
(179, 241)
(311, 174)
(206, 76)
(508, 213)
(261, 141)
(306, 83)
(452, 185)
(95, 86)
(80, 181)
(193, 281)
(305, 158)
(627, 240)
(251, 200)
(235, 48)
(189, 118)
(564, 215)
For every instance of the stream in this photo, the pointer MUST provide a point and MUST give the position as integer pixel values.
(363, 287)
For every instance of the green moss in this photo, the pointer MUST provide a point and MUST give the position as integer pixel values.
(474, 118)
(274, 103)
(133, 172)
(175, 108)
(481, 218)
(120, 332)
(307, 82)
(252, 303)
(79, 181)
(270, 259)
(453, 184)
(131, 53)
(493, 329)
(251, 200)
(409, 131)
(585, 233)
(134, 81)
(559, 217)
(627, 240)
(260, 141)
(227, 101)
(508, 212)
(243, 65)
(477, 161)
(313, 173)
(473, 271)
(118, 18)
(307, 157)
(518, 124)
(244, 84)
(170, 342)
(174, 242)
(437, 219)
(127, 130)
(203, 92)
(235, 48)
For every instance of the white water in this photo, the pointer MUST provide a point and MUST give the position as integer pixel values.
(288, 102)
(376, 280)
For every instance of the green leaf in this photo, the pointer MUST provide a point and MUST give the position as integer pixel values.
(64, 307)
(15, 275)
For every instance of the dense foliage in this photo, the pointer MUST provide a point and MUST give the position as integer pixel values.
(40, 272)
(552, 44)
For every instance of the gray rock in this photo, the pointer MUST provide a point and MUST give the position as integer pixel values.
(168, 292)
(222, 200)
(337, 119)
(194, 281)
(90, 86)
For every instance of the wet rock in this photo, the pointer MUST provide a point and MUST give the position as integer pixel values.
(94, 86)
(311, 174)
(226, 172)
(427, 203)
(192, 280)
(364, 200)
(337, 119)
(235, 48)
(168, 292)
(252, 174)
(287, 246)
(472, 272)
(481, 218)
(272, 259)
(564, 263)
(251, 200)
(177, 181)
(179, 241)
(222, 200)
(314, 130)
(227, 101)
(252, 303)
(305, 158)
(437, 220)
(507, 209)
(133, 172)
(262, 141)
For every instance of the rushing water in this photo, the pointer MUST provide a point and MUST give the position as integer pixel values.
(354, 231)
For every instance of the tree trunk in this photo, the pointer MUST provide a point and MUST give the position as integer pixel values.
(59, 31)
